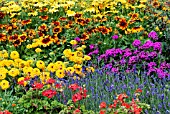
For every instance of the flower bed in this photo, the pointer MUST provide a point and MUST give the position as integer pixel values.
(84, 56)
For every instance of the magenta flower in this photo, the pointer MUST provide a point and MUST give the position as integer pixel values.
(153, 35)
(115, 37)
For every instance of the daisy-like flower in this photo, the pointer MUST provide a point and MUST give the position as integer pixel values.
(57, 30)
(40, 64)
(44, 18)
(137, 29)
(25, 22)
(70, 13)
(13, 37)
(4, 84)
(51, 67)
(23, 37)
(46, 41)
(14, 55)
(17, 42)
(2, 37)
(122, 24)
(43, 27)
(60, 73)
(56, 23)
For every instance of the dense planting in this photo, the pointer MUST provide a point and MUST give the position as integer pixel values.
(84, 57)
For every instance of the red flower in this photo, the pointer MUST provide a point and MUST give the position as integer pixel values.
(51, 81)
(37, 86)
(102, 111)
(121, 97)
(76, 97)
(26, 78)
(73, 87)
(115, 103)
(77, 111)
(49, 93)
(126, 105)
(5, 112)
(103, 105)
(83, 92)
(138, 90)
(58, 85)
(21, 82)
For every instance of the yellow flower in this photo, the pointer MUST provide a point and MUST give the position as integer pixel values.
(40, 64)
(14, 55)
(70, 70)
(83, 46)
(79, 49)
(79, 53)
(36, 72)
(29, 46)
(51, 67)
(34, 45)
(9, 63)
(60, 73)
(29, 62)
(87, 58)
(91, 9)
(3, 70)
(22, 64)
(157, 28)
(67, 52)
(4, 54)
(22, 79)
(35, 13)
(78, 68)
(29, 70)
(38, 50)
(70, 13)
(45, 76)
(2, 76)
(78, 60)
(14, 72)
(73, 42)
(4, 84)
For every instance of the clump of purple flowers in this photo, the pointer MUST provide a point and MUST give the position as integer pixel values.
(115, 37)
(153, 35)
(136, 43)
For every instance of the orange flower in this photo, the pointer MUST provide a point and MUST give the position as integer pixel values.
(31, 33)
(56, 23)
(43, 27)
(13, 37)
(17, 42)
(57, 29)
(2, 37)
(78, 15)
(155, 4)
(23, 37)
(41, 34)
(43, 9)
(25, 22)
(137, 29)
(123, 24)
(84, 37)
(63, 18)
(81, 21)
(13, 105)
(44, 18)
(103, 30)
(46, 41)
